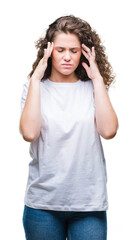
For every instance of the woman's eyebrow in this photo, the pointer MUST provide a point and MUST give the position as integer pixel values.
(76, 48)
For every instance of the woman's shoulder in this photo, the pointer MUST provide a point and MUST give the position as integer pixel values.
(88, 83)
(25, 85)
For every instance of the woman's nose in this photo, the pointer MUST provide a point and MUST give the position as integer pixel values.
(67, 56)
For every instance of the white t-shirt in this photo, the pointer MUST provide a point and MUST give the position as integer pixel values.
(67, 171)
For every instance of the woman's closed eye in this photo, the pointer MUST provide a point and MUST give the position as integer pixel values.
(72, 50)
(60, 50)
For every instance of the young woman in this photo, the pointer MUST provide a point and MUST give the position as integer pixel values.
(65, 110)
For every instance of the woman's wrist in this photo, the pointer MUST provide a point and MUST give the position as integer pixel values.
(34, 79)
(98, 81)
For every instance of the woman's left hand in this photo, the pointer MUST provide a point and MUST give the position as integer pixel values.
(92, 70)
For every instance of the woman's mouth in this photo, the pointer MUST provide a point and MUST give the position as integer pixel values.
(67, 65)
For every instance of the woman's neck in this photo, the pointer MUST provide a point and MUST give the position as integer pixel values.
(63, 78)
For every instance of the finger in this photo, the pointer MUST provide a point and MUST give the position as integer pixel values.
(85, 47)
(86, 67)
(48, 50)
(45, 55)
(85, 54)
(51, 47)
(93, 52)
(86, 50)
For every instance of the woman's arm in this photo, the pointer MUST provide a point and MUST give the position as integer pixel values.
(106, 119)
(30, 121)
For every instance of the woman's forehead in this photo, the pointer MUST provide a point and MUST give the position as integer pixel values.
(66, 39)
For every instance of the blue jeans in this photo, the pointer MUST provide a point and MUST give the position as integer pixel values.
(61, 225)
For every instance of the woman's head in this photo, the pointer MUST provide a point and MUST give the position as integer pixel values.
(85, 34)
(65, 55)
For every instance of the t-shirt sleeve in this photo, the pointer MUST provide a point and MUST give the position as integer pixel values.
(24, 94)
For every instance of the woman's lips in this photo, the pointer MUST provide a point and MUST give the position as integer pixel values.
(67, 65)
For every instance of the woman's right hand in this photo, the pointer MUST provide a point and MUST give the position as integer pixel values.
(42, 65)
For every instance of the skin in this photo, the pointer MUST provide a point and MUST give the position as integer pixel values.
(106, 119)
(66, 51)
(65, 58)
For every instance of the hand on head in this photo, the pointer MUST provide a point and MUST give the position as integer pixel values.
(92, 70)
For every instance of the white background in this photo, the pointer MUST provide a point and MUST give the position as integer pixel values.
(22, 23)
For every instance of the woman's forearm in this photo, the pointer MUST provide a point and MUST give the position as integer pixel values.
(30, 121)
(106, 119)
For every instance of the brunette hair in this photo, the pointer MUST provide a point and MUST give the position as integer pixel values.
(86, 35)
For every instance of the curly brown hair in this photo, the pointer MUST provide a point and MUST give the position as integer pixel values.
(86, 35)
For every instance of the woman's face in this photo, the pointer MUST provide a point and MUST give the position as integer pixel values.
(66, 54)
